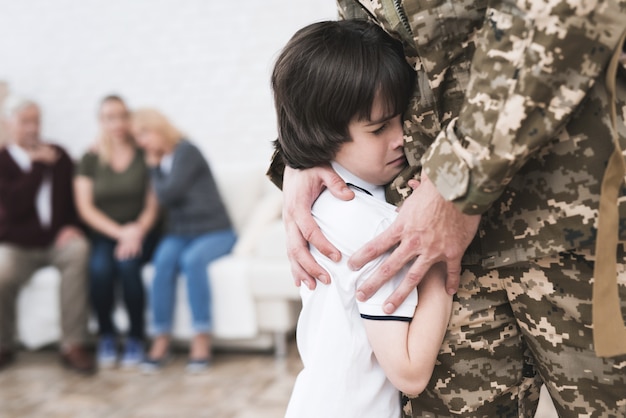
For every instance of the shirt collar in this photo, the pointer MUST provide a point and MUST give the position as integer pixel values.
(166, 163)
(377, 191)
(20, 156)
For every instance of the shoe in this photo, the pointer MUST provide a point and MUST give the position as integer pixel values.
(6, 357)
(107, 351)
(154, 365)
(133, 353)
(198, 365)
(76, 358)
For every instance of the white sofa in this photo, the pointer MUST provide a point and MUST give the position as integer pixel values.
(255, 303)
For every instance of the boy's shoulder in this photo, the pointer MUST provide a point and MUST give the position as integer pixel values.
(350, 224)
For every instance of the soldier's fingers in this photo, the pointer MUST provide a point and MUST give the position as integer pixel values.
(376, 247)
(389, 268)
(301, 277)
(453, 277)
(414, 276)
(336, 185)
(303, 264)
(300, 225)
(312, 234)
(413, 184)
(305, 270)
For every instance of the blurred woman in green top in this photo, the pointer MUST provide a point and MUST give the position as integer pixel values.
(115, 200)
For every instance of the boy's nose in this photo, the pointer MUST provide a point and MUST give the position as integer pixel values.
(398, 138)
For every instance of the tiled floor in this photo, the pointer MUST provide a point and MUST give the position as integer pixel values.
(238, 386)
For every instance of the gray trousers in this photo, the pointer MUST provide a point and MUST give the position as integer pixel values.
(18, 264)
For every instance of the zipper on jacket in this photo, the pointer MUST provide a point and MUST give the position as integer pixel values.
(402, 15)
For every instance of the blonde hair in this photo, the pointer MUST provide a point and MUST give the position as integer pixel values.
(104, 146)
(154, 120)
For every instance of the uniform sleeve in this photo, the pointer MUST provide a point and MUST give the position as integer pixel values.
(532, 68)
(276, 170)
(350, 9)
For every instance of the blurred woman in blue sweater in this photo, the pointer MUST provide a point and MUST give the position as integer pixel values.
(198, 231)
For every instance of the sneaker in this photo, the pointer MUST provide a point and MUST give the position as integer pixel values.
(151, 366)
(107, 351)
(133, 353)
(197, 366)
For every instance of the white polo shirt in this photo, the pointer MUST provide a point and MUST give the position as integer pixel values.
(341, 377)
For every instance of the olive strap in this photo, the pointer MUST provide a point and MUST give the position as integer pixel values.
(609, 331)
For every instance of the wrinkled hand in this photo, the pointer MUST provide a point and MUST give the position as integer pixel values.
(44, 154)
(300, 190)
(67, 234)
(427, 227)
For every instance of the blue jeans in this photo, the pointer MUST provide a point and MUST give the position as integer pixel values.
(104, 271)
(191, 255)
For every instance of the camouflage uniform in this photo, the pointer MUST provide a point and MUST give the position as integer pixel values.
(510, 118)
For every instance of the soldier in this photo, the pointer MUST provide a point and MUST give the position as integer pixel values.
(517, 111)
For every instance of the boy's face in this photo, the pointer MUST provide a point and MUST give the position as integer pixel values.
(375, 153)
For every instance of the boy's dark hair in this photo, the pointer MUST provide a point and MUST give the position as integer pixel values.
(328, 74)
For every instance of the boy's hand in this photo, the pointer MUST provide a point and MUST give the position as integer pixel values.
(300, 190)
(427, 227)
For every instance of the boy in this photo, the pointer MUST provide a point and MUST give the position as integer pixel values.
(339, 90)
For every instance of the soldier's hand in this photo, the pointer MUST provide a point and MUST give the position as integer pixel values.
(300, 190)
(427, 227)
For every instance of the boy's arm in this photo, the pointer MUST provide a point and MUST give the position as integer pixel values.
(407, 351)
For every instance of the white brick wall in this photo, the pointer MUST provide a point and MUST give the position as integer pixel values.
(206, 63)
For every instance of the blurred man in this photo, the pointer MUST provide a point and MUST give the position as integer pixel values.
(39, 227)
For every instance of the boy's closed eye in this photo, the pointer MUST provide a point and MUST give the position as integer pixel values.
(381, 129)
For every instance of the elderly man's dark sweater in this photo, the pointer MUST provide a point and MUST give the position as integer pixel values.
(19, 221)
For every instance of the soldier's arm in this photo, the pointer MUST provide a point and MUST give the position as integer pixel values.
(531, 69)
(350, 9)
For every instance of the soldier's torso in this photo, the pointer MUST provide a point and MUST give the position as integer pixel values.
(551, 204)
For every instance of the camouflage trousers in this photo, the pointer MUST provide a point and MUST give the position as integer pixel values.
(517, 327)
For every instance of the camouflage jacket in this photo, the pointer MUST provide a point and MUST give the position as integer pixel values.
(510, 115)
